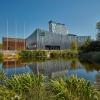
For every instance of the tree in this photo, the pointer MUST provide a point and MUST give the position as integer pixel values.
(88, 42)
(74, 45)
(87, 46)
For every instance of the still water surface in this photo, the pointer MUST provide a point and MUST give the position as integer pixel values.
(53, 68)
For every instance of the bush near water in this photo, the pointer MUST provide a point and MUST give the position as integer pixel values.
(90, 52)
(45, 53)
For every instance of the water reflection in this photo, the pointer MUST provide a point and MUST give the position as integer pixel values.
(53, 68)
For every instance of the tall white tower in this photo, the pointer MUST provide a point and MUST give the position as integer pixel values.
(58, 28)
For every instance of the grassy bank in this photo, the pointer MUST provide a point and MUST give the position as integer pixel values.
(33, 87)
(48, 54)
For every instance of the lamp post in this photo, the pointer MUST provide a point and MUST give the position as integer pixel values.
(24, 37)
(7, 34)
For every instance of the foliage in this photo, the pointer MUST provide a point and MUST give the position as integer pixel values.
(44, 54)
(6, 94)
(90, 52)
(33, 87)
(90, 46)
(24, 82)
(63, 54)
(32, 54)
(93, 57)
(2, 77)
(74, 45)
(73, 89)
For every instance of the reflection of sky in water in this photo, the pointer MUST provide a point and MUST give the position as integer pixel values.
(83, 74)
(19, 70)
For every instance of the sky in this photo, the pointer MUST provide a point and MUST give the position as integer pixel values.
(79, 16)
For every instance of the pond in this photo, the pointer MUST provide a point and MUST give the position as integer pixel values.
(53, 68)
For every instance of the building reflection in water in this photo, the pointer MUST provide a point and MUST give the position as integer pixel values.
(51, 68)
(14, 67)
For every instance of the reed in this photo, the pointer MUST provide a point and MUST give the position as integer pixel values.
(33, 87)
(73, 89)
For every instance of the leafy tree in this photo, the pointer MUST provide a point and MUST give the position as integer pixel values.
(74, 45)
(84, 47)
(90, 46)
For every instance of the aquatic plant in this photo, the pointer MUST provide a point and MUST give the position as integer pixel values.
(24, 82)
(73, 89)
(28, 86)
(7, 94)
(3, 78)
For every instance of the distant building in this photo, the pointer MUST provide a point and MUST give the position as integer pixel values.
(58, 28)
(13, 44)
(98, 30)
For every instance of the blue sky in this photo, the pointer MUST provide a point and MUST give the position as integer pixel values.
(80, 16)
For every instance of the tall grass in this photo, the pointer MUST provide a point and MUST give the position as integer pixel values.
(73, 89)
(33, 87)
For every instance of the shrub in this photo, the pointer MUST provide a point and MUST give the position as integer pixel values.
(63, 54)
(91, 46)
(93, 57)
(32, 54)
(44, 54)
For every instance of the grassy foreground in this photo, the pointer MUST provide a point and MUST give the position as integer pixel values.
(33, 87)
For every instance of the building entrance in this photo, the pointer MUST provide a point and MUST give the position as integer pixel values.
(50, 47)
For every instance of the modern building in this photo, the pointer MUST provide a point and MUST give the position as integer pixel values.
(57, 38)
(41, 39)
(98, 30)
(13, 44)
